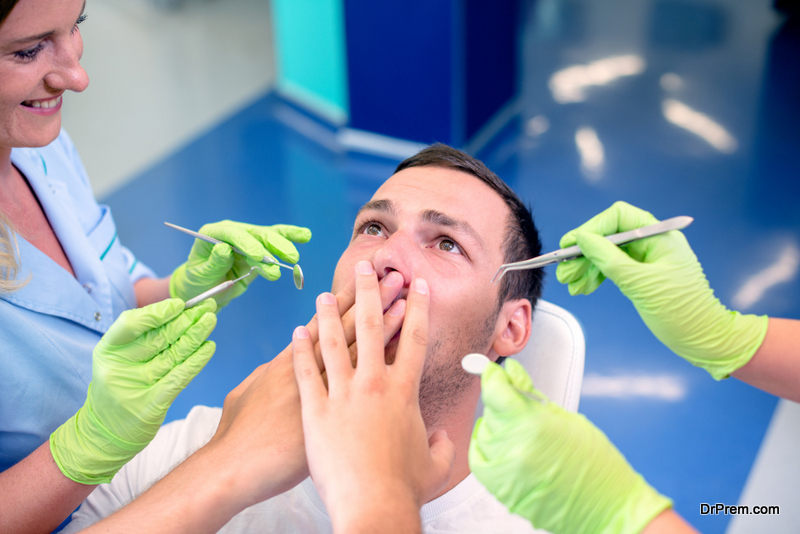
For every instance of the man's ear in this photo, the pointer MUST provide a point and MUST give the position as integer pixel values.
(513, 327)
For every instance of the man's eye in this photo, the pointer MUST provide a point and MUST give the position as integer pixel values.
(448, 245)
(372, 229)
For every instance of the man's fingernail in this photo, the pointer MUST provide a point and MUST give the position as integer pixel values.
(397, 308)
(392, 279)
(420, 285)
(365, 267)
(301, 332)
(327, 298)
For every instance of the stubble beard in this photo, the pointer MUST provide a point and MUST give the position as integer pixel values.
(443, 381)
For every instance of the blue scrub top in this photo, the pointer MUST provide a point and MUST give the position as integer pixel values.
(49, 328)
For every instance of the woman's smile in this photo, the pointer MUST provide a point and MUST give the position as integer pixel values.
(47, 106)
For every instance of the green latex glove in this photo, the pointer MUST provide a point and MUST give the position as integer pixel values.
(665, 282)
(209, 265)
(140, 365)
(553, 467)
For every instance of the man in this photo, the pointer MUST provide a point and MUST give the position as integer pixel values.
(443, 216)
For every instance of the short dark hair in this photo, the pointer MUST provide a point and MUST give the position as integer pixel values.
(6, 6)
(521, 240)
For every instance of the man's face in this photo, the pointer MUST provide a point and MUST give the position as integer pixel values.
(447, 227)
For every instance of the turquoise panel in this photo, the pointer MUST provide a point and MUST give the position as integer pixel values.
(310, 54)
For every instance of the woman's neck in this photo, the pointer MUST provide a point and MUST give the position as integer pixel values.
(21, 207)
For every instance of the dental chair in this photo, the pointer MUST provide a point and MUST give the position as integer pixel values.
(554, 355)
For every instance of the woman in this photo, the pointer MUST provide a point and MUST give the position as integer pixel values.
(66, 279)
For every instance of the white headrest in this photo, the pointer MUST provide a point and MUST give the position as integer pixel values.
(554, 355)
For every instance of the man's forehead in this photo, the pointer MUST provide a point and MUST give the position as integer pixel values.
(440, 187)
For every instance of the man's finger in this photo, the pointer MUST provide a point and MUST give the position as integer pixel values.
(443, 455)
(369, 318)
(414, 336)
(391, 285)
(392, 322)
(335, 355)
(306, 371)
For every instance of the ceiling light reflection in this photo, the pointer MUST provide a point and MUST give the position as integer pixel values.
(570, 84)
(784, 269)
(591, 151)
(658, 387)
(671, 82)
(699, 124)
(537, 125)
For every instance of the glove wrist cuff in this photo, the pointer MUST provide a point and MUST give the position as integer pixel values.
(747, 335)
(173, 281)
(87, 452)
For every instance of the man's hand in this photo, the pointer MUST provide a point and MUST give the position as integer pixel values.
(553, 467)
(209, 265)
(368, 450)
(665, 282)
(261, 430)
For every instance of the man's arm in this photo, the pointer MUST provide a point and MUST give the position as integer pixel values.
(256, 453)
(35, 496)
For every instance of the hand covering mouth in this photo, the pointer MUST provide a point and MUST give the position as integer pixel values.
(403, 294)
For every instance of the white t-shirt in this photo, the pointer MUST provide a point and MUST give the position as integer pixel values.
(468, 507)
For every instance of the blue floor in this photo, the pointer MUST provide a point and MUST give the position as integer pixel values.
(734, 62)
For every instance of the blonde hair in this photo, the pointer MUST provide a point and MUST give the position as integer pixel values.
(9, 265)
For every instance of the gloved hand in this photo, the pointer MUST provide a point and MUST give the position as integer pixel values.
(209, 265)
(665, 282)
(553, 467)
(139, 366)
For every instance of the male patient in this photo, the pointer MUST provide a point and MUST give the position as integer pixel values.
(443, 216)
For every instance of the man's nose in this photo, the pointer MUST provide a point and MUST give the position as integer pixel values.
(398, 253)
(67, 73)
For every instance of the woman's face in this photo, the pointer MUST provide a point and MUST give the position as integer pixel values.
(40, 52)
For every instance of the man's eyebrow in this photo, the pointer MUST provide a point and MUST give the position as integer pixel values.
(441, 219)
(384, 205)
(42, 35)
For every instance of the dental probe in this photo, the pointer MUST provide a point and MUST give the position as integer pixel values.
(475, 364)
(297, 272)
(569, 253)
(216, 290)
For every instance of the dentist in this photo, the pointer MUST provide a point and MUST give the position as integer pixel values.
(93, 347)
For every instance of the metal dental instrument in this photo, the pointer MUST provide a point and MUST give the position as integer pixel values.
(297, 272)
(475, 364)
(216, 290)
(564, 254)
